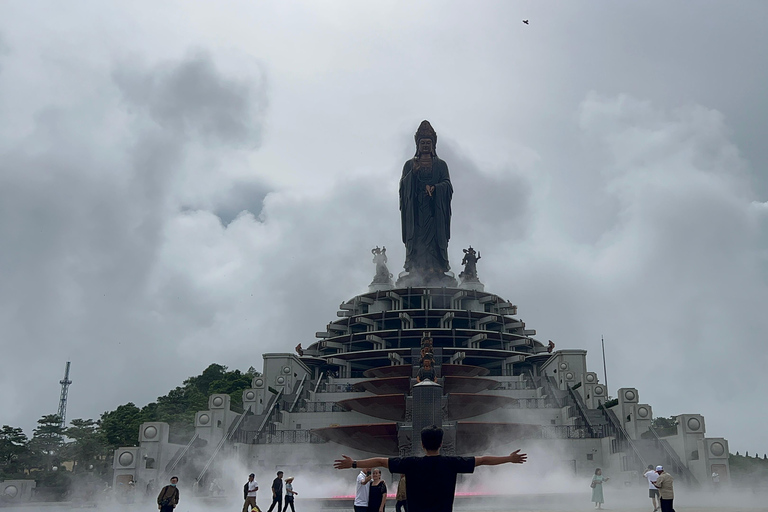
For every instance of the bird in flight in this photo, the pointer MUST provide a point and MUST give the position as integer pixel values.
(526, 22)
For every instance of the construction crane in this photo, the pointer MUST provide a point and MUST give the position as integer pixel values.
(63, 399)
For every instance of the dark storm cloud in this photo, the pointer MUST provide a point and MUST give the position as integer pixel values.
(84, 202)
(192, 97)
(130, 192)
(242, 197)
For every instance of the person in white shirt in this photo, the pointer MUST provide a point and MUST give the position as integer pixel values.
(362, 488)
(653, 492)
(250, 489)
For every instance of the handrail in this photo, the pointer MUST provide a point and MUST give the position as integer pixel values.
(553, 389)
(674, 457)
(319, 380)
(270, 411)
(177, 458)
(226, 437)
(299, 390)
(580, 407)
(611, 416)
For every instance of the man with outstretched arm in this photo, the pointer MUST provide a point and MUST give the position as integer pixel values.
(432, 478)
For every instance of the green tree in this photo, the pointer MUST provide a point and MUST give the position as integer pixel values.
(88, 445)
(46, 442)
(178, 407)
(14, 450)
(121, 426)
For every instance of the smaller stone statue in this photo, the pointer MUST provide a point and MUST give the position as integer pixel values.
(426, 346)
(383, 278)
(299, 350)
(470, 265)
(427, 361)
(427, 370)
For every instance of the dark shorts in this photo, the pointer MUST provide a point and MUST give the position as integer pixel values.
(653, 493)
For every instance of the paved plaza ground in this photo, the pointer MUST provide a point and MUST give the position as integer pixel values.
(627, 501)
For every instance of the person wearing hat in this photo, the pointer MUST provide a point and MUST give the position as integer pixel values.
(666, 491)
(250, 489)
(289, 493)
(653, 492)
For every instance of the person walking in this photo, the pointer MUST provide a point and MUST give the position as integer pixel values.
(169, 496)
(666, 489)
(432, 478)
(653, 492)
(250, 490)
(400, 497)
(289, 494)
(362, 488)
(277, 492)
(597, 488)
(377, 495)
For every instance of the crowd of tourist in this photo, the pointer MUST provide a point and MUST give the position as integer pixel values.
(431, 481)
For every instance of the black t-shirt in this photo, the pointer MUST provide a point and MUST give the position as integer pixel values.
(431, 480)
(375, 495)
(277, 486)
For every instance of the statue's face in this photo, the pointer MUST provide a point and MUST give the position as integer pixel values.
(427, 364)
(425, 146)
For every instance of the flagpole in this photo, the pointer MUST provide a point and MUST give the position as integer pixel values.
(605, 372)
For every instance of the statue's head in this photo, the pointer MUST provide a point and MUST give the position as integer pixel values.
(426, 139)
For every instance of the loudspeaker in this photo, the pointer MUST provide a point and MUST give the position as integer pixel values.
(203, 419)
(126, 458)
(717, 448)
(219, 401)
(642, 412)
(692, 423)
(629, 395)
(152, 432)
(249, 395)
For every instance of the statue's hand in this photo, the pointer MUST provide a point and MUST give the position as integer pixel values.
(430, 189)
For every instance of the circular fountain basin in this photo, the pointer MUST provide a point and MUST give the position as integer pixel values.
(377, 438)
(468, 405)
(385, 407)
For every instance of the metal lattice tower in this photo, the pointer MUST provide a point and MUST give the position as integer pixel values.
(63, 399)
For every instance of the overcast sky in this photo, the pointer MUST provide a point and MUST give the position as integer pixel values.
(184, 183)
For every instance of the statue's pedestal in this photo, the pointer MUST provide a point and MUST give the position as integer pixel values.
(379, 287)
(472, 284)
(436, 280)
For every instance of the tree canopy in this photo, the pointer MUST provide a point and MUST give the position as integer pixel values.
(178, 407)
(88, 443)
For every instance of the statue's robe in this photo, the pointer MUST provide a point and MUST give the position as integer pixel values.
(426, 221)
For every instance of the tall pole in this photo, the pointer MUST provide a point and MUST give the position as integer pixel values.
(605, 372)
(63, 398)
